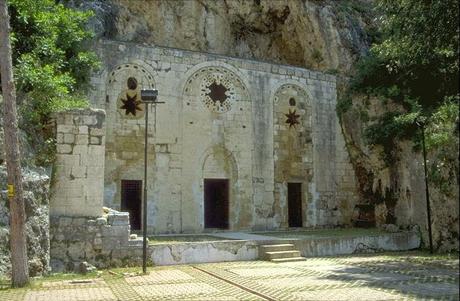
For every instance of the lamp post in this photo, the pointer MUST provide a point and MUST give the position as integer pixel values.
(147, 97)
(421, 125)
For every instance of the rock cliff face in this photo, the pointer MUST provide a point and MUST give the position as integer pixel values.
(36, 190)
(36, 194)
(323, 35)
(398, 189)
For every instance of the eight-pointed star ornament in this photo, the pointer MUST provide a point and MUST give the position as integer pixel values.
(292, 118)
(217, 92)
(131, 104)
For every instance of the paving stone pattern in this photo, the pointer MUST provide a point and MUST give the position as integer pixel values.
(363, 277)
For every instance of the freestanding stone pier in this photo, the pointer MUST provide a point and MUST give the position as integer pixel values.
(80, 228)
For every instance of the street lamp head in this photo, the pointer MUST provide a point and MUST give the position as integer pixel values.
(149, 95)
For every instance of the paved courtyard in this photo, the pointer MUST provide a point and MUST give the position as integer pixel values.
(397, 276)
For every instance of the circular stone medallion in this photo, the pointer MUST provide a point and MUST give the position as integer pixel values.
(217, 92)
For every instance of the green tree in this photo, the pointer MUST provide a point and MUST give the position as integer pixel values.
(415, 64)
(52, 64)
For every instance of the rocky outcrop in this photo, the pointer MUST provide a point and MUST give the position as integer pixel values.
(321, 35)
(36, 198)
(36, 190)
(397, 188)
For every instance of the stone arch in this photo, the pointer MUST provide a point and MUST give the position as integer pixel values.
(118, 87)
(217, 64)
(293, 97)
(215, 137)
(135, 66)
(217, 161)
(216, 86)
(290, 82)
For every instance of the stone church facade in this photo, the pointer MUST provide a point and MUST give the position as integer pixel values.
(238, 144)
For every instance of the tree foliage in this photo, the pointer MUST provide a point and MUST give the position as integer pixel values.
(52, 65)
(414, 64)
(417, 58)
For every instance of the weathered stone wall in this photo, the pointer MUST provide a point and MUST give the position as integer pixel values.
(192, 137)
(103, 241)
(240, 250)
(36, 196)
(293, 149)
(202, 252)
(81, 230)
(79, 164)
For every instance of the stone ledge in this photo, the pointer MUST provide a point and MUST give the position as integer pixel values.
(240, 250)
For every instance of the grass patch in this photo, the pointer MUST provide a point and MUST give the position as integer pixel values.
(36, 282)
(175, 239)
(105, 274)
(321, 233)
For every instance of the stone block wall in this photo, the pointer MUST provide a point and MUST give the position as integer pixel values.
(78, 174)
(241, 135)
(80, 228)
(103, 242)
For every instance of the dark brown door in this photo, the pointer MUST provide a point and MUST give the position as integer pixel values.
(295, 204)
(131, 196)
(216, 203)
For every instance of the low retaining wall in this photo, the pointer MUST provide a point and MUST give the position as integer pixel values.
(400, 241)
(103, 242)
(241, 250)
(200, 252)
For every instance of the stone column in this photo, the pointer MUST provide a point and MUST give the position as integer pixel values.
(78, 173)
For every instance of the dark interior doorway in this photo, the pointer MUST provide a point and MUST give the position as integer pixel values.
(131, 196)
(295, 204)
(216, 203)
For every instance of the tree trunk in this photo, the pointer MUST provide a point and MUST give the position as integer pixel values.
(20, 270)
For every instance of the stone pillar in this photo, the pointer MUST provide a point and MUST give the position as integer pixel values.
(78, 173)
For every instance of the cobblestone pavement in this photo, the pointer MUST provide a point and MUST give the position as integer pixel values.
(366, 277)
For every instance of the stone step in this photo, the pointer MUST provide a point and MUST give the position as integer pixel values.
(135, 242)
(292, 259)
(276, 248)
(282, 254)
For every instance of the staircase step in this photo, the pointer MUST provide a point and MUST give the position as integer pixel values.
(275, 248)
(136, 242)
(292, 259)
(282, 254)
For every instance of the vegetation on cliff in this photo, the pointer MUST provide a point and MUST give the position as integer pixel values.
(414, 64)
